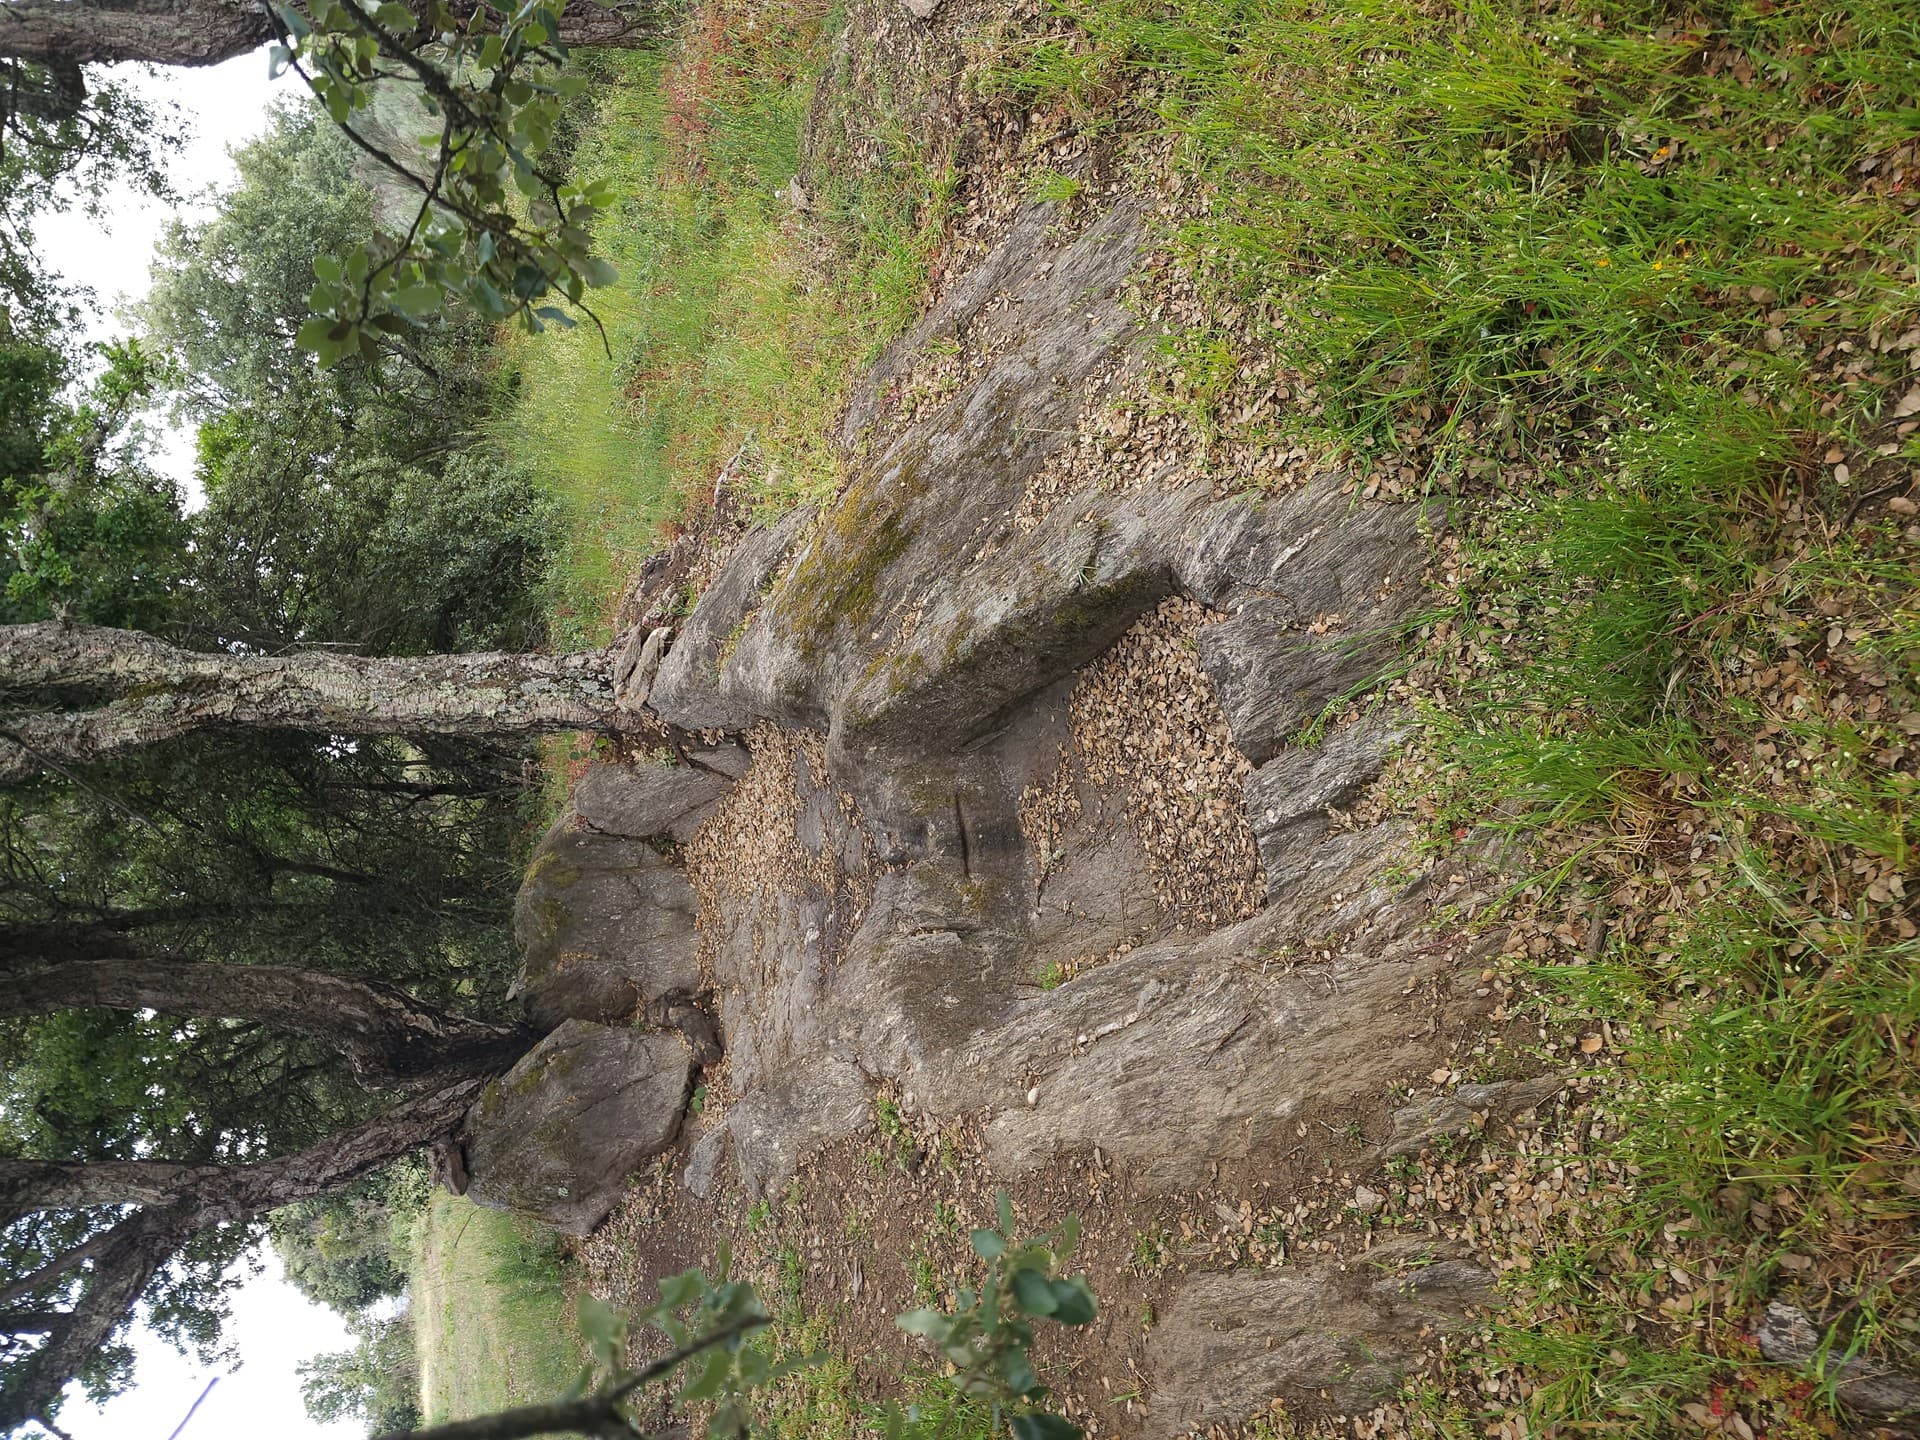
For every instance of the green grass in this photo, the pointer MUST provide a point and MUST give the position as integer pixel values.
(827, 1400)
(736, 321)
(492, 1314)
(1628, 281)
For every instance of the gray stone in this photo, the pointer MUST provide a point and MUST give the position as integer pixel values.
(1425, 1123)
(1183, 1053)
(605, 925)
(1788, 1336)
(704, 1159)
(1288, 798)
(645, 802)
(1345, 1335)
(1316, 588)
(556, 1137)
(934, 637)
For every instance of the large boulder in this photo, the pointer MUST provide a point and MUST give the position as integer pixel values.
(1341, 1335)
(557, 1136)
(662, 803)
(605, 917)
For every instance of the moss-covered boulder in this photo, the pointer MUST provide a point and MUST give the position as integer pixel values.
(605, 918)
(556, 1137)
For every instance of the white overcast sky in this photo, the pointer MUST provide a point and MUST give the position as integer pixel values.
(223, 106)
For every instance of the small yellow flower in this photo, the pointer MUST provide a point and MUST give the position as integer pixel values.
(1601, 261)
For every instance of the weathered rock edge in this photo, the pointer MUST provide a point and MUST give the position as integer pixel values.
(557, 1136)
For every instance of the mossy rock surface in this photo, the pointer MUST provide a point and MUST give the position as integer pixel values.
(604, 918)
(556, 1137)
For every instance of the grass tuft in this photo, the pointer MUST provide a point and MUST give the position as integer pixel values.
(737, 319)
(493, 1319)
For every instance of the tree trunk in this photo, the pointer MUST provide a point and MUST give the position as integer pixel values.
(166, 691)
(205, 32)
(178, 1202)
(388, 1037)
(29, 1185)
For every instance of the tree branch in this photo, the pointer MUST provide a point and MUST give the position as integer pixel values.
(596, 1414)
(388, 1037)
(205, 32)
(167, 691)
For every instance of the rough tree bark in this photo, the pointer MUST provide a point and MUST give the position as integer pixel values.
(175, 1203)
(390, 1039)
(163, 691)
(205, 32)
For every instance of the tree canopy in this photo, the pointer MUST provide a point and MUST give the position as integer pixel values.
(243, 970)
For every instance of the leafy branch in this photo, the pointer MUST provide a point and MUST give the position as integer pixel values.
(986, 1338)
(710, 1322)
(497, 231)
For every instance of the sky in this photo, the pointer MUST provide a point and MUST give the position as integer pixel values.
(222, 106)
(276, 1328)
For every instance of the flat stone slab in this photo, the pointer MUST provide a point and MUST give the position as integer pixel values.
(1229, 1343)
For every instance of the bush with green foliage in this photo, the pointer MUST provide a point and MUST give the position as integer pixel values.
(377, 1381)
(716, 1366)
(498, 231)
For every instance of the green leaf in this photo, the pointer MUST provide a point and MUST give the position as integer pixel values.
(987, 1245)
(597, 272)
(1034, 1292)
(676, 1290)
(599, 1322)
(1017, 1371)
(394, 16)
(1073, 1301)
(295, 22)
(418, 299)
(753, 1366)
(712, 1376)
(1006, 1212)
(1039, 1425)
(930, 1323)
(314, 333)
